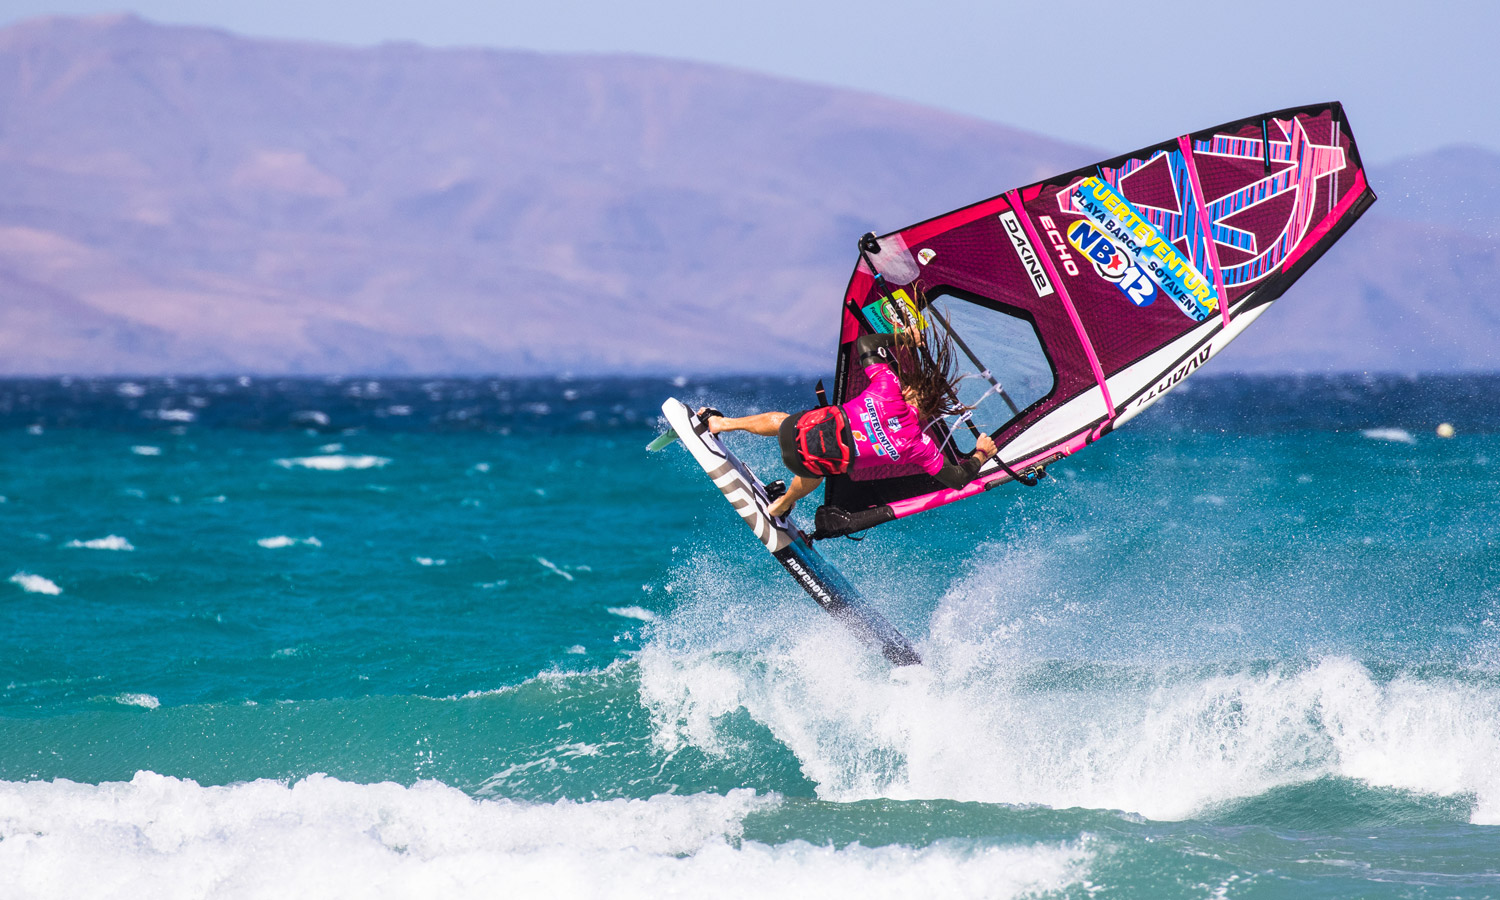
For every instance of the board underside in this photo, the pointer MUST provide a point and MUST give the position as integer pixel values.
(784, 540)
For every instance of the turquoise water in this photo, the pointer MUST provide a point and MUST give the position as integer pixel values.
(358, 639)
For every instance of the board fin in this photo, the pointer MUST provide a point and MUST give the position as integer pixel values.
(663, 441)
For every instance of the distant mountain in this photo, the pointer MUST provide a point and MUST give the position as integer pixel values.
(183, 200)
(1456, 187)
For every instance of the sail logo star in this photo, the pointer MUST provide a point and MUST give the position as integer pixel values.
(1304, 163)
(1111, 264)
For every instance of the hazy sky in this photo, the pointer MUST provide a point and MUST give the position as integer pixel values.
(1413, 76)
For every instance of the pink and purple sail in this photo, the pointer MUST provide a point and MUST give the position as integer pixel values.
(1080, 300)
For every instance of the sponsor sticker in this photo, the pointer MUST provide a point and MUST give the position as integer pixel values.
(883, 318)
(925, 255)
(1029, 259)
(871, 418)
(1111, 263)
(1127, 230)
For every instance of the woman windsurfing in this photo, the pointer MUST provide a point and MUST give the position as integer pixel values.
(910, 388)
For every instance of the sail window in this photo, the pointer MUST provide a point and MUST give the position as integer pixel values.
(1000, 359)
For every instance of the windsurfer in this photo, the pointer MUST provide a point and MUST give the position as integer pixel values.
(885, 423)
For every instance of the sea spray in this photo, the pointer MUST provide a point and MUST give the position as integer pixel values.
(1167, 744)
(992, 719)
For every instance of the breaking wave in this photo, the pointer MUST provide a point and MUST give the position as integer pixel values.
(166, 837)
(281, 540)
(333, 462)
(35, 584)
(991, 718)
(110, 542)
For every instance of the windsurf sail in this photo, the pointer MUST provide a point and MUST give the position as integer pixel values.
(1079, 301)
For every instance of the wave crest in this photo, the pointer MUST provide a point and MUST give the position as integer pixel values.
(333, 462)
(157, 834)
(1165, 744)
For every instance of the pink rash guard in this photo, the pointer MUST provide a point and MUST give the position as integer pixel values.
(886, 429)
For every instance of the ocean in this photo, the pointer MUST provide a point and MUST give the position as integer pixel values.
(466, 638)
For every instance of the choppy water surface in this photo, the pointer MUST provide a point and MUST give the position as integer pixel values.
(355, 638)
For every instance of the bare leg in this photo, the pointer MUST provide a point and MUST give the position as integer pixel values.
(765, 424)
(801, 487)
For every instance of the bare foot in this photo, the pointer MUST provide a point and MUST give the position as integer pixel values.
(710, 421)
(781, 507)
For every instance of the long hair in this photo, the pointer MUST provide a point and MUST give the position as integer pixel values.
(925, 365)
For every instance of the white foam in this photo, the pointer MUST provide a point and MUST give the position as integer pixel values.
(111, 542)
(130, 389)
(145, 450)
(171, 415)
(633, 612)
(552, 567)
(169, 838)
(984, 721)
(282, 540)
(145, 701)
(35, 584)
(429, 561)
(1395, 435)
(334, 462)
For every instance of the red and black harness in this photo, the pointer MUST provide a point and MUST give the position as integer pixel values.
(822, 443)
(818, 442)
